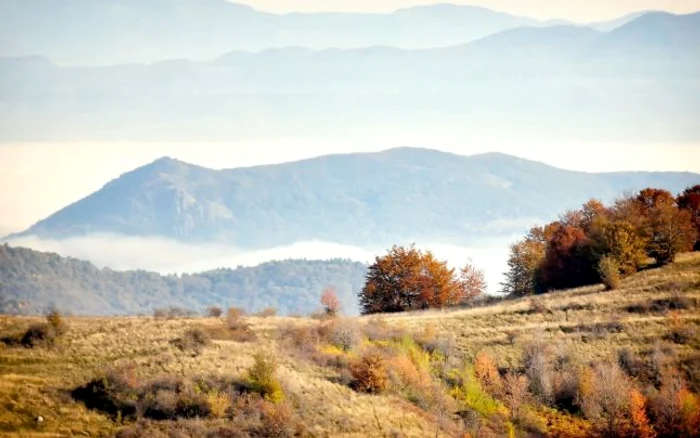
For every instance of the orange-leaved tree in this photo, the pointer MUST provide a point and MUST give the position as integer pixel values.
(668, 230)
(330, 301)
(408, 279)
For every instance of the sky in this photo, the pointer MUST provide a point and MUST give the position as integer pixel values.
(575, 10)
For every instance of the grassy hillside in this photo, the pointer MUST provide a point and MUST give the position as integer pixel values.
(652, 319)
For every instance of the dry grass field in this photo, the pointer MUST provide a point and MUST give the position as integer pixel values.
(657, 310)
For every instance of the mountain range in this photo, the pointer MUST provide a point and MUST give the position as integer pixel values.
(399, 196)
(33, 282)
(125, 31)
(636, 83)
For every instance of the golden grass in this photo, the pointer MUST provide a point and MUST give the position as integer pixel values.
(36, 382)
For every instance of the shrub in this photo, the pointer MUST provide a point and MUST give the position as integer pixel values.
(609, 270)
(414, 382)
(12, 339)
(487, 373)
(41, 334)
(564, 387)
(115, 393)
(235, 313)
(369, 373)
(214, 312)
(162, 405)
(344, 334)
(639, 422)
(279, 420)
(679, 331)
(631, 362)
(564, 425)
(193, 340)
(37, 335)
(538, 368)
(262, 377)
(604, 398)
(219, 404)
(675, 410)
(440, 344)
(538, 306)
(305, 339)
(467, 390)
(514, 393)
(172, 312)
(267, 312)
(55, 320)
(239, 330)
(191, 404)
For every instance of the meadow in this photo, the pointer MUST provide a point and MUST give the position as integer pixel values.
(546, 365)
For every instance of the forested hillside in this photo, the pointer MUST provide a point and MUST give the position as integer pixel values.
(32, 282)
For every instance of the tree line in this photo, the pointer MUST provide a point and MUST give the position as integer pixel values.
(605, 243)
(596, 243)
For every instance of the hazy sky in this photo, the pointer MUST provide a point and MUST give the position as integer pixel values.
(576, 10)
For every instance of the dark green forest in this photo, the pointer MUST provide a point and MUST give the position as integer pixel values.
(33, 282)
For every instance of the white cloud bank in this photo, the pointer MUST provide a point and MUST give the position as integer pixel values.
(168, 256)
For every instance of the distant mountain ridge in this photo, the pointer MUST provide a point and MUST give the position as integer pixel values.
(635, 84)
(127, 31)
(32, 282)
(400, 196)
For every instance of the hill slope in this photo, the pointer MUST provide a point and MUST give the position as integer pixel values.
(32, 282)
(366, 199)
(567, 332)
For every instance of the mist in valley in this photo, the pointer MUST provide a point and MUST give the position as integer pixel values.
(167, 256)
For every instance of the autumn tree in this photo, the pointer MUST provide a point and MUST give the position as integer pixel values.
(592, 211)
(670, 232)
(437, 283)
(666, 228)
(689, 201)
(408, 279)
(392, 282)
(472, 283)
(568, 260)
(523, 262)
(330, 302)
(621, 241)
(650, 199)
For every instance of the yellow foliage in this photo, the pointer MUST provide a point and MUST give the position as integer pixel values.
(332, 350)
(219, 404)
(487, 373)
(263, 379)
(690, 412)
(563, 425)
(472, 395)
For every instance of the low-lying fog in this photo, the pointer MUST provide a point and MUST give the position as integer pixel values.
(168, 256)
